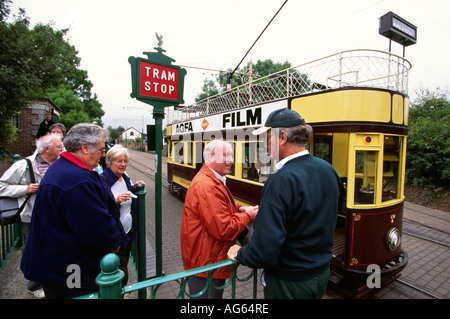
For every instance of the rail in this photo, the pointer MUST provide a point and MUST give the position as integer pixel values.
(353, 68)
(10, 236)
(110, 280)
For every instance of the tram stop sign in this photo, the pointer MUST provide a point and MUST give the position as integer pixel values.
(156, 81)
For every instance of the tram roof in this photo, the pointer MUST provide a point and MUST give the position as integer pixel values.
(352, 68)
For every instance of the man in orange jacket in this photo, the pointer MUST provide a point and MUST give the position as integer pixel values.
(211, 219)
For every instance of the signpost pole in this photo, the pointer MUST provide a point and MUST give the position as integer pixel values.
(158, 115)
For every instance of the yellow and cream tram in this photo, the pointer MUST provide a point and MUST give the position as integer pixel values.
(357, 103)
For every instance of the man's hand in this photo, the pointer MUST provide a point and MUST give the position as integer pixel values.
(251, 211)
(232, 252)
(32, 188)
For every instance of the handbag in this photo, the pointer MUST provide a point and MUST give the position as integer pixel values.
(9, 206)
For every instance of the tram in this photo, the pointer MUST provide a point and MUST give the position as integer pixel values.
(357, 103)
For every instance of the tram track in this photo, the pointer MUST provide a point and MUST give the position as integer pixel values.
(425, 232)
(417, 288)
(147, 170)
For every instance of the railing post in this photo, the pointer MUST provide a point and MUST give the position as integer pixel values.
(15, 158)
(141, 263)
(110, 279)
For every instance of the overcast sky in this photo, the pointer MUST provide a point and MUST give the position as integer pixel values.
(217, 34)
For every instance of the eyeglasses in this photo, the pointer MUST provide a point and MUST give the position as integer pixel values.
(102, 150)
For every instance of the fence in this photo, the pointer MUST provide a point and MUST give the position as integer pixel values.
(110, 280)
(10, 235)
(10, 238)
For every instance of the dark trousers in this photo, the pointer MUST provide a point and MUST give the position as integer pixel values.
(197, 284)
(124, 257)
(283, 289)
(61, 291)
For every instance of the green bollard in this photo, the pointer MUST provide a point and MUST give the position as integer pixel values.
(110, 279)
(15, 158)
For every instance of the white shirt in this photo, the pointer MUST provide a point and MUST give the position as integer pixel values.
(281, 163)
(125, 207)
(221, 178)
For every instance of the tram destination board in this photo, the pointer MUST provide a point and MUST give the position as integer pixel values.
(395, 28)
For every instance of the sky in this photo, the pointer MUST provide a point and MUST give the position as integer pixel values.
(216, 35)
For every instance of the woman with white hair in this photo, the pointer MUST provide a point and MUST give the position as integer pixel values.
(121, 186)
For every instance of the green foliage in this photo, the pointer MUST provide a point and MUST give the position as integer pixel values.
(428, 154)
(4, 154)
(34, 62)
(73, 110)
(114, 133)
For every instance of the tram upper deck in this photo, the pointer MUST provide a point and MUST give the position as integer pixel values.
(353, 68)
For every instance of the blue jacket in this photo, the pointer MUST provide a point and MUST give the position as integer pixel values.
(75, 221)
(111, 179)
(294, 229)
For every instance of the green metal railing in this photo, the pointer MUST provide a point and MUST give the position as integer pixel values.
(110, 280)
(10, 236)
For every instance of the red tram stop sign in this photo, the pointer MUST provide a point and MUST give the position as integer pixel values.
(156, 81)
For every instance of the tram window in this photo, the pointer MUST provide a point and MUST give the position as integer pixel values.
(256, 163)
(322, 147)
(391, 168)
(365, 177)
(233, 167)
(189, 153)
(178, 152)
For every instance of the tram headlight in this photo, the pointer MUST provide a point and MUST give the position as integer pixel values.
(393, 238)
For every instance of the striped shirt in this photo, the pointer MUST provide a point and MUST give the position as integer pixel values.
(41, 165)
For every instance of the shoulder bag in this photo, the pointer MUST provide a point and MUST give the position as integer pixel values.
(9, 206)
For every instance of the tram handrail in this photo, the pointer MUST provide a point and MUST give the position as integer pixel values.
(370, 68)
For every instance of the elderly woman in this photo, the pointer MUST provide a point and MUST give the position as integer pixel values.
(59, 129)
(121, 187)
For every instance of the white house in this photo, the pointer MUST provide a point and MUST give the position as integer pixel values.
(130, 134)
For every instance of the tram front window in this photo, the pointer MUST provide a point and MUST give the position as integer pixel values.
(256, 163)
(365, 177)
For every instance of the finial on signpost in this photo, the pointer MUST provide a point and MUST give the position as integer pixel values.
(160, 42)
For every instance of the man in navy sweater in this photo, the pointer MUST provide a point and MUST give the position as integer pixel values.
(294, 228)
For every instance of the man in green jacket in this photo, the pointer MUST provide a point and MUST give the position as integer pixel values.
(294, 229)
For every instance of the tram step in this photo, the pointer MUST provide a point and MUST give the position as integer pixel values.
(335, 278)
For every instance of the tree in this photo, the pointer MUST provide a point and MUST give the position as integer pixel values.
(34, 62)
(428, 148)
(72, 109)
(114, 133)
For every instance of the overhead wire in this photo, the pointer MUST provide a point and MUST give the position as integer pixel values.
(259, 37)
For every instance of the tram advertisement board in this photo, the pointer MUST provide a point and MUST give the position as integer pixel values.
(251, 117)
